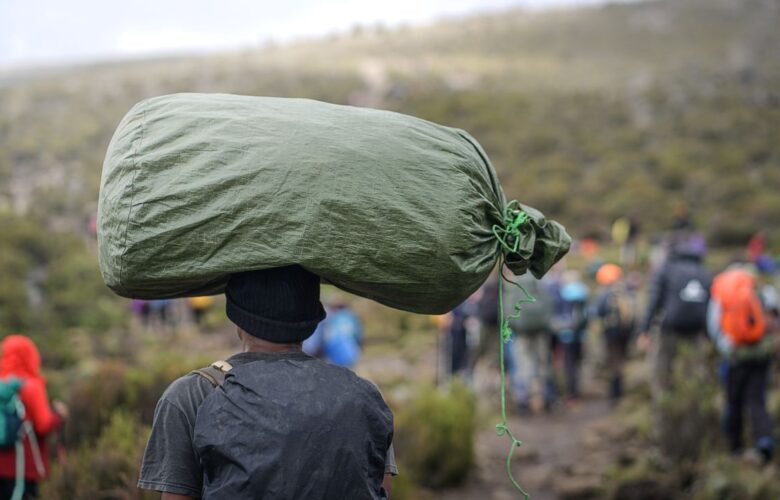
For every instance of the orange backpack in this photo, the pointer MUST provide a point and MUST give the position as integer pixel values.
(742, 315)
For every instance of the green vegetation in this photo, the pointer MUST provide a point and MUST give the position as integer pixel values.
(435, 436)
(111, 410)
(51, 289)
(106, 469)
(681, 455)
(588, 115)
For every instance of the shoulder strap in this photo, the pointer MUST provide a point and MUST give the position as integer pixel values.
(214, 373)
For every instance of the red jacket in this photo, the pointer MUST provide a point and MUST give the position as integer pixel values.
(20, 359)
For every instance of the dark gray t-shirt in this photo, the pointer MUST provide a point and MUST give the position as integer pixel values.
(171, 462)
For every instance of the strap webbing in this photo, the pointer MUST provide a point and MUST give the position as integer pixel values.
(214, 373)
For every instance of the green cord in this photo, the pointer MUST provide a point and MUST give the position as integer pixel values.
(509, 237)
(509, 234)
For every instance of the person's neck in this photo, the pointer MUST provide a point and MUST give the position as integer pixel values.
(251, 343)
(259, 345)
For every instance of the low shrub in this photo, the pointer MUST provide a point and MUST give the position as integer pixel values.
(727, 478)
(92, 400)
(435, 436)
(107, 469)
(641, 480)
(113, 385)
(688, 418)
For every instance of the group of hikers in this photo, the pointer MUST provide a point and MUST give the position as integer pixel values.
(679, 305)
(160, 314)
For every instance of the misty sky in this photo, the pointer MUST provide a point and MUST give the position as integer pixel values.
(59, 31)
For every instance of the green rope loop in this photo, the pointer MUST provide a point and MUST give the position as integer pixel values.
(508, 234)
(509, 237)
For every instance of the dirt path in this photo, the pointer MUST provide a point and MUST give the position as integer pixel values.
(555, 461)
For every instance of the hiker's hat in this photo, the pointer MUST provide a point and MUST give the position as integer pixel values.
(280, 304)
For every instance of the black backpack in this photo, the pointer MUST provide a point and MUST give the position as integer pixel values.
(621, 312)
(290, 427)
(687, 287)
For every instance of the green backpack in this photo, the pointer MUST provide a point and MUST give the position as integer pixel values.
(12, 414)
(535, 317)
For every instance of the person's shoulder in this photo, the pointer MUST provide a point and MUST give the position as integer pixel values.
(30, 382)
(371, 396)
(186, 390)
(333, 371)
(31, 386)
(367, 386)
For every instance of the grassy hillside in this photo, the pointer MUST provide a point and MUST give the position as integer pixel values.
(587, 114)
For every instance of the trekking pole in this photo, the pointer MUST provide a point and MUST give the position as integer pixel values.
(34, 448)
(62, 456)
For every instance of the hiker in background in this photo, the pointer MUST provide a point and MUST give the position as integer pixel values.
(458, 341)
(289, 425)
(570, 324)
(625, 233)
(140, 309)
(755, 247)
(313, 345)
(199, 306)
(21, 360)
(679, 292)
(682, 218)
(738, 324)
(616, 308)
(770, 299)
(459, 331)
(160, 313)
(766, 265)
(553, 281)
(342, 335)
(532, 330)
(482, 329)
(487, 303)
(441, 322)
(338, 338)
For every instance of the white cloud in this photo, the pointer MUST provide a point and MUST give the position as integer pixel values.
(35, 31)
(135, 41)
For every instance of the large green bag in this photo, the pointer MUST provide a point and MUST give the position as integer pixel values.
(196, 187)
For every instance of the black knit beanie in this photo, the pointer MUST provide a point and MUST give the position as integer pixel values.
(280, 304)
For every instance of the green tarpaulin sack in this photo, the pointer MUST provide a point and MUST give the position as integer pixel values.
(196, 187)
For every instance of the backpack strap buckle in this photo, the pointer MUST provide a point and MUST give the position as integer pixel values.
(222, 365)
(215, 372)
